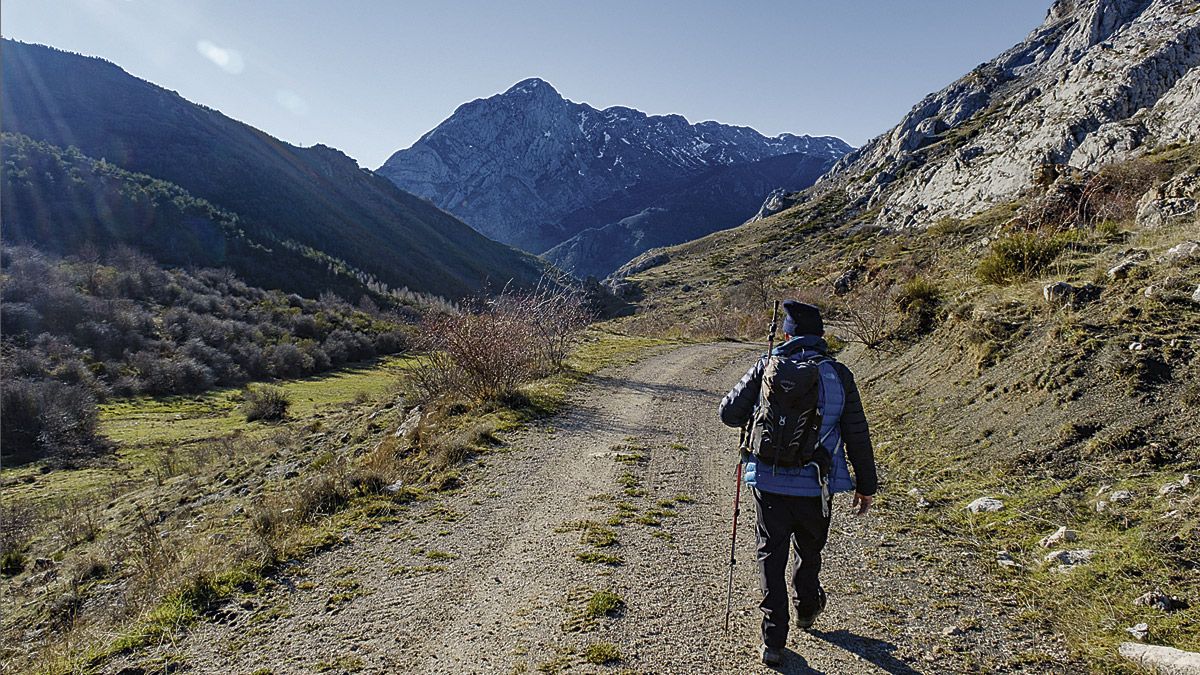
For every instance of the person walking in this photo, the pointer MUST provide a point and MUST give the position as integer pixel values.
(793, 502)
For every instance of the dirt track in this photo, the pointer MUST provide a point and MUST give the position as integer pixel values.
(485, 579)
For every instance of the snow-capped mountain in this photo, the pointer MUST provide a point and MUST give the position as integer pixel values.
(516, 165)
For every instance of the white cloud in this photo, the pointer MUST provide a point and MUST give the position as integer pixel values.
(292, 101)
(229, 60)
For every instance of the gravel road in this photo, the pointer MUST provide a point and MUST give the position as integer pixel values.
(486, 579)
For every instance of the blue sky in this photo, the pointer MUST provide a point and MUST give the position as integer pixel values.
(372, 77)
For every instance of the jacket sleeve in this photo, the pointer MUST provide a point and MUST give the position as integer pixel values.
(857, 437)
(738, 404)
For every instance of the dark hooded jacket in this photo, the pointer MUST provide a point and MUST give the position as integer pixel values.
(843, 425)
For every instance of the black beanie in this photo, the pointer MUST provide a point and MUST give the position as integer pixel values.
(802, 319)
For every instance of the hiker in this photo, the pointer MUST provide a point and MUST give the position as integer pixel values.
(792, 502)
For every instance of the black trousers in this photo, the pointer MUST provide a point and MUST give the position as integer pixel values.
(784, 520)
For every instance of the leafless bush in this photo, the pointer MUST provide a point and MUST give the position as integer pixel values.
(1112, 194)
(556, 312)
(507, 341)
(869, 317)
(1079, 199)
(17, 523)
(75, 521)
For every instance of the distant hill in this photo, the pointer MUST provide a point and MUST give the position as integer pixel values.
(528, 166)
(315, 197)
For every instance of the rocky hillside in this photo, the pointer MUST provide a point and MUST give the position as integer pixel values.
(314, 197)
(1099, 80)
(517, 166)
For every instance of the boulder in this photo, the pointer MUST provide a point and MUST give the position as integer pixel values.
(777, 200)
(1058, 293)
(410, 423)
(1172, 203)
(1161, 660)
(1121, 269)
(845, 281)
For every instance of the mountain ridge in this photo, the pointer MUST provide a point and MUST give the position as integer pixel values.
(514, 164)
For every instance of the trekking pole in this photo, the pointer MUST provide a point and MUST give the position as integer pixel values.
(743, 448)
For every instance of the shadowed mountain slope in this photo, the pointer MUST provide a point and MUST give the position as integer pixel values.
(316, 196)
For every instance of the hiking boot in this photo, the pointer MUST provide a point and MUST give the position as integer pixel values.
(771, 656)
(806, 621)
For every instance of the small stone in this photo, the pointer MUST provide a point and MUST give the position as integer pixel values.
(1139, 632)
(1196, 295)
(1005, 559)
(1156, 599)
(394, 487)
(922, 503)
(1070, 558)
(985, 504)
(1188, 480)
(1136, 346)
(951, 631)
(1170, 489)
(1062, 534)
(1184, 251)
(1120, 497)
(1121, 269)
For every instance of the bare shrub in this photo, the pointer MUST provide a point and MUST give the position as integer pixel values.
(1112, 193)
(509, 340)
(557, 313)
(265, 402)
(46, 418)
(17, 523)
(76, 521)
(869, 317)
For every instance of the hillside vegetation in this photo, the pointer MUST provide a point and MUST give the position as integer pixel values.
(1042, 352)
(88, 328)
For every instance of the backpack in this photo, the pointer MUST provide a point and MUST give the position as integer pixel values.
(786, 426)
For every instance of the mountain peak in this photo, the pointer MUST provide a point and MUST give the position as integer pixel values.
(533, 85)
